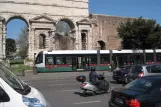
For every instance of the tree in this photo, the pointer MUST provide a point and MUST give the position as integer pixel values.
(10, 46)
(140, 34)
(22, 42)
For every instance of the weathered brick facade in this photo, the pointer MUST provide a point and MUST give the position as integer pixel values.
(105, 29)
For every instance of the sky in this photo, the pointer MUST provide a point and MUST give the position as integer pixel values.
(150, 9)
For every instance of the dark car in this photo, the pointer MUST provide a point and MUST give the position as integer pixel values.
(142, 92)
(138, 71)
(120, 74)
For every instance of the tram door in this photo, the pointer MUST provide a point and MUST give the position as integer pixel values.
(81, 63)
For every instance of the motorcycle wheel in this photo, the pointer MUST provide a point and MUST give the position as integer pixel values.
(84, 93)
(108, 88)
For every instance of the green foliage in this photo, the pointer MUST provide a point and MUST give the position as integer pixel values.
(140, 34)
(16, 61)
(23, 42)
(29, 60)
(10, 46)
(20, 67)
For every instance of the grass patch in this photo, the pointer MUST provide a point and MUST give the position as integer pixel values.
(19, 68)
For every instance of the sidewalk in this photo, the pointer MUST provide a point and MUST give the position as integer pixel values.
(58, 75)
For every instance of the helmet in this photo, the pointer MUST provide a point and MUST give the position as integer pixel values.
(93, 69)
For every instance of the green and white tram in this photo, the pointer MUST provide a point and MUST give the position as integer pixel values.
(83, 60)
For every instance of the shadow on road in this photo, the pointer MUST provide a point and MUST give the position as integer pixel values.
(89, 94)
(115, 82)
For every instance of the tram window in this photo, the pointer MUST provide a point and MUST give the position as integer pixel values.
(159, 57)
(93, 60)
(63, 60)
(105, 60)
(60, 60)
(39, 58)
(68, 60)
(149, 57)
(49, 60)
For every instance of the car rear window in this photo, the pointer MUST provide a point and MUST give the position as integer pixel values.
(137, 69)
(140, 85)
(127, 69)
(156, 69)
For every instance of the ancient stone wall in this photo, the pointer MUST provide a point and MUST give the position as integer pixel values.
(105, 29)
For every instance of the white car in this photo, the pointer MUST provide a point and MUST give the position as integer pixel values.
(15, 93)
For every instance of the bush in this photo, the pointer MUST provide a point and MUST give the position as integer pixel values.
(20, 67)
(16, 61)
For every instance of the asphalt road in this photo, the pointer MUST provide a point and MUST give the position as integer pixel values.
(66, 93)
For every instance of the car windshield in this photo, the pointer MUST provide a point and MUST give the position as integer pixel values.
(11, 79)
(140, 85)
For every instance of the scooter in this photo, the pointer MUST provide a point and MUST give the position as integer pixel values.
(88, 87)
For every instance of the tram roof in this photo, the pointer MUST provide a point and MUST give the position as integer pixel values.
(95, 51)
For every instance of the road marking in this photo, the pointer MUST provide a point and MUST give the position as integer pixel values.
(87, 102)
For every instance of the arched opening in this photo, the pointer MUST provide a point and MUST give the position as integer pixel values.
(83, 40)
(102, 45)
(64, 27)
(64, 31)
(42, 41)
(17, 30)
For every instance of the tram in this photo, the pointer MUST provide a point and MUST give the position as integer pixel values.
(83, 60)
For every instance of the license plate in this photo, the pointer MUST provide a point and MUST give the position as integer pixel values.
(118, 100)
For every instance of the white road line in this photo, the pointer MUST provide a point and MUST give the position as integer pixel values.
(87, 102)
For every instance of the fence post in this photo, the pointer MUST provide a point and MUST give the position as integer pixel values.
(98, 59)
(154, 55)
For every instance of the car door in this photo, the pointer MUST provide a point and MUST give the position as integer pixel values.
(130, 74)
(3, 96)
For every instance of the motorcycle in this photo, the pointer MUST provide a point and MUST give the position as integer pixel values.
(88, 87)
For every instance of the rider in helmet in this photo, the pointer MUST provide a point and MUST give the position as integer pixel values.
(93, 78)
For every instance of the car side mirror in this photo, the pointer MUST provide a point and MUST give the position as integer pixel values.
(3, 96)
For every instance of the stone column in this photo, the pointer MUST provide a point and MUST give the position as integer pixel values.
(31, 43)
(4, 41)
(36, 40)
(53, 41)
(77, 39)
(47, 42)
(80, 39)
(89, 40)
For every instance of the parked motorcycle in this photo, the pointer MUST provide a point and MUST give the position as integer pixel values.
(88, 87)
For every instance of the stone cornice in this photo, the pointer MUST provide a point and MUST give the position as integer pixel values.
(40, 14)
(41, 28)
(40, 4)
(34, 21)
(77, 1)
